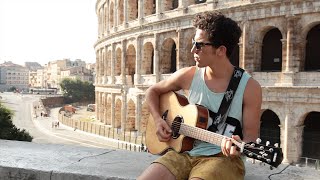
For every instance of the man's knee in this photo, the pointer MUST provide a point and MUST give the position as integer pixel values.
(156, 171)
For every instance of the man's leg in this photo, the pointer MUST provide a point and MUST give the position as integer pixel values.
(156, 171)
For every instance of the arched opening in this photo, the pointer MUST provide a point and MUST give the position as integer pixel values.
(144, 117)
(234, 58)
(311, 136)
(271, 59)
(117, 67)
(147, 61)
(132, 10)
(111, 15)
(168, 57)
(149, 7)
(131, 117)
(269, 127)
(131, 61)
(312, 62)
(121, 12)
(109, 63)
(117, 114)
(109, 107)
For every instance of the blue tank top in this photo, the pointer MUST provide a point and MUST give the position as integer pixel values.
(200, 94)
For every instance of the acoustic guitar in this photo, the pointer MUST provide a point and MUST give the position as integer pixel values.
(188, 122)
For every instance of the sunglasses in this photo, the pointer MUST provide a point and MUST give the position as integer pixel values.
(199, 45)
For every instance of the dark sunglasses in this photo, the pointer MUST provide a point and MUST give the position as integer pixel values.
(199, 45)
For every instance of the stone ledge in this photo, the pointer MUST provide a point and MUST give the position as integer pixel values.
(32, 161)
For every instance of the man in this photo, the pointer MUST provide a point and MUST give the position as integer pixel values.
(214, 40)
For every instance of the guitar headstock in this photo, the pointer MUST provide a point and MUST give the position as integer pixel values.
(269, 154)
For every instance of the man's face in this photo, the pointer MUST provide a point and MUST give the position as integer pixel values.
(203, 51)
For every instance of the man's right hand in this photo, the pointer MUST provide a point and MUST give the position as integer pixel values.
(163, 130)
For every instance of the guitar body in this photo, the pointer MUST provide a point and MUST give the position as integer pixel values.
(176, 106)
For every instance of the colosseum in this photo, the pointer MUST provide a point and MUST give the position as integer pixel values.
(141, 42)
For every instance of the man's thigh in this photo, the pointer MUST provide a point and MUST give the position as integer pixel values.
(177, 163)
(221, 167)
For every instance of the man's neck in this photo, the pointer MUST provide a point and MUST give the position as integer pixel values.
(223, 70)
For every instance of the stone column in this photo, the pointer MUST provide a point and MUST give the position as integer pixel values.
(159, 8)
(124, 109)
(243, 45)
(108, 18)
(97, 67)
(138, 114)
(140, 11)
(115, 15)
(156, 58)
(125, 13)
(292, 138)
(113, 60)
(123, 61)
(105, 65)
(105, 110)
(97, 103)
(113, 108)
(138, 61)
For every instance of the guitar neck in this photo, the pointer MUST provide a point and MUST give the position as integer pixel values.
(204, 135)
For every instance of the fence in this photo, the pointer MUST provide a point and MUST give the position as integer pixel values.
(310, 162)
(129, 140)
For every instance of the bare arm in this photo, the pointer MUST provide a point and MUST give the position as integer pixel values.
(181, 79)
(252, 101)
(252, 111)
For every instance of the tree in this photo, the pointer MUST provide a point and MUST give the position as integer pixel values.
(8, 130)
(77, 90)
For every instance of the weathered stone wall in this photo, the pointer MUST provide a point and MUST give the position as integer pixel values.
(136, 49)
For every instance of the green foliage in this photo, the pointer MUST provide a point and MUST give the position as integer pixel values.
(77, 90)
(11, 89)
(8, 130)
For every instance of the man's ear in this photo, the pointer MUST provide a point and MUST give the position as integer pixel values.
(221, 51)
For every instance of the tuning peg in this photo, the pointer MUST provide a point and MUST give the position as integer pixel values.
(258, 141)
(271, 168)
(267, 143)
(276, 145)
(268, 160)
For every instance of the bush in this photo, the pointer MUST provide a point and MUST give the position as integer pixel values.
(8, 130)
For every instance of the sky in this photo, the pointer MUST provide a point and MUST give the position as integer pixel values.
(47, 30)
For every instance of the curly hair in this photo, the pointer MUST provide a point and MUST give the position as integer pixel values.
(222, 31)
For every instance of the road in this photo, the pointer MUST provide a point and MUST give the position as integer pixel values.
(41, 127)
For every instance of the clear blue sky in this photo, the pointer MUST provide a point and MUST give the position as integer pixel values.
(47, 30)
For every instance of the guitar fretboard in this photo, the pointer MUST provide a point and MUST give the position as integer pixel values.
(204, 135)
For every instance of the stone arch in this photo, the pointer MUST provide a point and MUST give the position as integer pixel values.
(149, 7)
(147, 58)
(121, 12)
(311, 134)
(111, 15)
(312, 54)
(168, 58)
(269, 127)
(144, 117)
(117, 114)
(132, 10)
(117, 66)
(131, 60)
(198, 1)
(271, 52)
(109, 63)
(131, 116)
(101, 25)
(109, 108)
(170, 4)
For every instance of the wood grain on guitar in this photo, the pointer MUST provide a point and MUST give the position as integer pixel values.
(188, 122)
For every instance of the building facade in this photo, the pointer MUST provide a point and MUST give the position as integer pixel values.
(13, 75)
(141, 42)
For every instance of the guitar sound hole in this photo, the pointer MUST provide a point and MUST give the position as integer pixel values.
(175, 126)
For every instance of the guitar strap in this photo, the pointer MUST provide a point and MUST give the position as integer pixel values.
(220, 117)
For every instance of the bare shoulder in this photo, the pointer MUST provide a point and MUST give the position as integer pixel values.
(183, 77)
(253, 91)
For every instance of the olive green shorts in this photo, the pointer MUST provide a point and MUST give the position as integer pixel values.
(217, 167)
